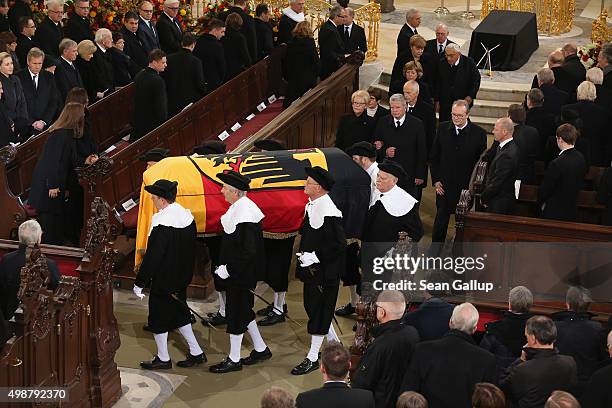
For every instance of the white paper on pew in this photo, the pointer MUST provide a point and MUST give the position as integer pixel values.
(272, 99)
(224, 135)
(236, 127)
(517, 188)
(110, 149)
(251, 116)
(261, 106)
(126, 138)
(14, 144)
(186, 107)
(128, 205)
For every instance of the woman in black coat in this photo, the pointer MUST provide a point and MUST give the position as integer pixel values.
(122, 63)
(301, 63)
(357, 126)
(83, 63)
(416, 53)
(413, 71)
(13, 98)
(237, 57)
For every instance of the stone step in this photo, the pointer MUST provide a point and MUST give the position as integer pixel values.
(490, 108)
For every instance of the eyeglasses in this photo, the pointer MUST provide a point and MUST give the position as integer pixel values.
(359, 103)
(458, 115)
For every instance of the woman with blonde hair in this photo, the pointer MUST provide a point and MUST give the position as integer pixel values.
(85, 65)
(356, 126)
(301, 63)
(13, 97)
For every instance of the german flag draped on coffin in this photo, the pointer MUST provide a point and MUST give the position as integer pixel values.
(277, 187)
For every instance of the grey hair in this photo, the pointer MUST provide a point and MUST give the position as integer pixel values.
(169, 2)
(103, 33)
(462, 102)
(606, 51)
(30, 232)
(546, 76)
(395, 302)
(35, 53)
(520, 299)
(506, 124)
(54, 4)
(65, 44)
(595, 75)
(238, 192)
(543, 328)
(535, 96)
(335, 11)
(454, 46)
(413, 85)
(442, 25)
(350, 11)
(397, 98)
(578, 298)
(411, 13)
(464, 318)
(586, 91)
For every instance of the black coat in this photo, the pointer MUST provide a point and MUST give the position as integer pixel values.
(573, 66)
(265, 38)
(99, 76)
(455, 361)
(210, 51)
(150, 103)
(169, 33)
(551, 150)
(529, 384)
(285, 29)
(123, 67)
(24, 45)
(10, 279)
(135, 49)
(431, 48)
(456, 83)
(561, 185)
(528, 141)
(4, 23)
(48, 36)
(595, 120)
(453, 158)
(67, 77)
(333, 395)
(501, 175)
(44, 101)
(544, 123)
(430, 72)
(237, 57)
(247, 29)
(243, 253)
(18, 10)
(431, 318)
(397, 87)
(13, 99)
(301, 65)
(353, 129)
(6, 132)
(381, 227)
(554, 99)
(426, 113)
(78, 28)
(355, 41)
(564, 81)
(184, 80)
(148, 35)
(598, 393)
(403, 38)
(385, 361)
(604, 195)
(331, 49)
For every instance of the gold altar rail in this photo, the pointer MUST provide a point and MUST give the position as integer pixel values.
(554, 17)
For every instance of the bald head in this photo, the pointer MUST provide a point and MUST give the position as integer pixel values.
(391, 305)
(569, 49)
(441, 33)
(503, 129)
(464, 318)
(555, 59)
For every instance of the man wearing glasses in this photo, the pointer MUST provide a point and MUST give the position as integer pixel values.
(78, 26)
(146, 29)
(169, 28)
(50, 32)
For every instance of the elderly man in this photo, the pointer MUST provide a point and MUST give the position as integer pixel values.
(134, 47)
(454, 360)
(78, 27)
(291, 16)
(331, 47)
(321, 257)
(30, 234)
(102, 64)
(167, 269)
(540, 119)
(421, 109)
(598, 393)
(169, 28)
(554, 97)
(456, 150)
(505, 338)
(499, 193)
(353, 36)
(571, 62)
(540, 370)
(413, 21)
(604, 61)
(67, 75)
(49, 33)
(563, 80)
(241, 261)
(150, 100)
(385, 361)
(146, 28)
(436, 46)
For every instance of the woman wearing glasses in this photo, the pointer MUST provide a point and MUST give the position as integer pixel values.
(357, 126)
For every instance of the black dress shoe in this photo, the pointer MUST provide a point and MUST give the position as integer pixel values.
(305, 367)
(265, 311)
(256, 356)
(146, 328)
(192, 360)
(217, 320)
(345, 310)
(271, 319)
(156, 364)
(225, 366)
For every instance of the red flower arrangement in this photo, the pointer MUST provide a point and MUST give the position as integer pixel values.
(588, 54)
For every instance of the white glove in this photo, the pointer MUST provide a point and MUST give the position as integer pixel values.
(221, 272)
(308, 258)
(138, 292)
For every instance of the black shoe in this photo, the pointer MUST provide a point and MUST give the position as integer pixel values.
(225, 366)
(146, 328)
(192, 360)
(265, 311)
(345, 310)
(256, 356)
(355, 327)
(271, 319)
(217, 320)
(156, 364)
(305, 367)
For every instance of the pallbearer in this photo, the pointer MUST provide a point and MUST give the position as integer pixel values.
(167, 268)
(321, 259)
(240, 262)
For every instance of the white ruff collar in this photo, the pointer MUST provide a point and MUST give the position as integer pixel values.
(243, 210)
(396, 201)
(174, 215)
(320, 208)
(298, 18)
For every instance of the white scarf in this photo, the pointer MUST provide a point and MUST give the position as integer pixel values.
(243, 210)
(396, 201)
(320, 208)
(298, 18)
(174, 216)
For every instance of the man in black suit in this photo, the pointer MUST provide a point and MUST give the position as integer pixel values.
(571, 62)
(265, 35)
(563, 180)
(134, 46)
(78, 27)
(458, 78)
(422, 110)
(291, 16)
(540, 119)
(102, 63)
(210, 51)
(248, 26)
(353, 36)
(401, 137)
(456, 150)
(413, 20)
(4, 18)
(169, 28)
(40, 90)
(25, 42)
(436, 46)
(554, 97)
(454, 360)
(528, 141)
(50, 33)
(184, 78)
(335, 364)
(331, 47)
(67, 76)
(146, 28)
(563, 80)
(150, 100)
(21, 8)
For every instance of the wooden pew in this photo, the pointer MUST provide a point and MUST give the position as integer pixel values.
(67, 338)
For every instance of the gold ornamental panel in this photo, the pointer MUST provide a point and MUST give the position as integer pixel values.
(554, 17)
